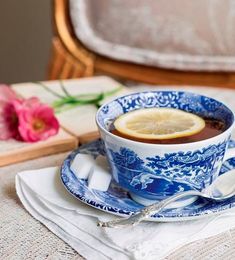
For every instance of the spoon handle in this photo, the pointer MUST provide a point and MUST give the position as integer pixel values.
(147, 211)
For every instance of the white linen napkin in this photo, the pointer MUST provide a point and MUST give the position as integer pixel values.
(46, 199)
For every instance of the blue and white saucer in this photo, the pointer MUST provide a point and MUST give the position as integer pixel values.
(117, 201)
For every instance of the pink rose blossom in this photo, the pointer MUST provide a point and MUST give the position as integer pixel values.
(36, 120)
(27, 120)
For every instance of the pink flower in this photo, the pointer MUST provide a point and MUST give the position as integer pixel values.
(8, 116)
(36, 120)
(27, 120)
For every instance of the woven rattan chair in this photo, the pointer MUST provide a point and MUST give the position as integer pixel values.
(73, 59)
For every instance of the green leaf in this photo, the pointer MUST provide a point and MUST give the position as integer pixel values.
(68, 101)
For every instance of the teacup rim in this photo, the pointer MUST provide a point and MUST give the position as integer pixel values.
(164, 145)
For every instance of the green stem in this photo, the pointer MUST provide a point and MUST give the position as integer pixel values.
(71, 100)
(49, 90)
(64, 89)
(68, 101)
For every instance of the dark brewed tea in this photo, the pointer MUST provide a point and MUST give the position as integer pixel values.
(212, 128)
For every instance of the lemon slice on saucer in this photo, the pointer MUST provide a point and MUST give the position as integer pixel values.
(159, 123)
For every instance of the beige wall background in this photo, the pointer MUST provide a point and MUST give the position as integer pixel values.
(25, 39)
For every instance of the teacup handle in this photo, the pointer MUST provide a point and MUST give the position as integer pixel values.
(230, 153)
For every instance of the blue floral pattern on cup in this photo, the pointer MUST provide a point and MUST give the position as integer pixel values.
(196, 167)
(154, 172)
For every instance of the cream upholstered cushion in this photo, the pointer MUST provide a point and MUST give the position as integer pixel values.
(178, 34)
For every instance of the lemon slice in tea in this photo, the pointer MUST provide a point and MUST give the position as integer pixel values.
(159, 123)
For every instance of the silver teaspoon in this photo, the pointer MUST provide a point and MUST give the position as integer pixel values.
(222, 188)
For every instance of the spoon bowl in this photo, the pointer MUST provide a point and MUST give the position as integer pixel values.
(221, 189)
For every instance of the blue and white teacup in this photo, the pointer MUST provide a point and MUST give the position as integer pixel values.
(153, 172)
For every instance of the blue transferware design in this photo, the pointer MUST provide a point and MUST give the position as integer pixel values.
(152, 172)
(190, 102)
(163, 174)
(117, 201)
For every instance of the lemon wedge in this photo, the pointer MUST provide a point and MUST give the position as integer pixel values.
(159, 123)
